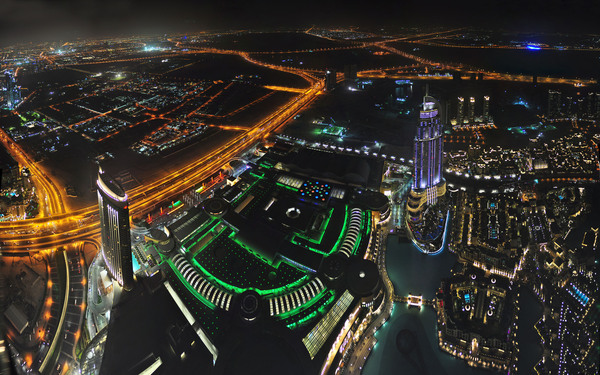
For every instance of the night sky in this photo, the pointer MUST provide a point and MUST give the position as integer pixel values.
(67, 19)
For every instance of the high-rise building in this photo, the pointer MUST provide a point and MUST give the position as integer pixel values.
(572, 308)
(570, 109)
(114, 226)
(580, 110)
(12, 92)
(554, 103)
(350, 71)
(330, 79)
(486, 109)
(428, 184)
(591, 104)
(460, 112)
(428, 146)
(471, 110)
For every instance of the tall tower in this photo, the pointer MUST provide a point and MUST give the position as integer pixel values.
(570, 106)
(330, 79)
(486, 109)
(471, 110)
(428, 146)
(422, 223)
(460, 113)
(554, 103)
(114, 225)
(13, 92)
(590, 105)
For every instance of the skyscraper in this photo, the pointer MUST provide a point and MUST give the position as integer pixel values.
(570, 106)
(460, 112)
(554, 103)
(330, 79)
(350, 71)
(12, 91)
(486, 109)
(428, 184)
(591, 101)
(114, 225)
(428, 146)
(471, 110)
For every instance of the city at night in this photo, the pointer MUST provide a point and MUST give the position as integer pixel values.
(255, 187)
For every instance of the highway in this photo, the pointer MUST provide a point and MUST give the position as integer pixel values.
(59, 227)
(52, 202)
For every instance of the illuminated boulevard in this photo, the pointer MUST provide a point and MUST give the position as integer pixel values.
(60, 228)
(68, 238)
(65, 233)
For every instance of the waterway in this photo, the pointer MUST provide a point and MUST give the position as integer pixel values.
(417, 273)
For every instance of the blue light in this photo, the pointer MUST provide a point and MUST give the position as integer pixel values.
(522, 102)
(535, 48)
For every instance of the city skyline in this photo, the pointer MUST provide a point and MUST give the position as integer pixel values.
(40, 20)
(302, 200)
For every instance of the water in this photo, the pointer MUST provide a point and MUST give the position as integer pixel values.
(417, 273)
(568, 63)
(530, 349)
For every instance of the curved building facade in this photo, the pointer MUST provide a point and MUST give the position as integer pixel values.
(424, 227)
(114, 223)
(428, 146)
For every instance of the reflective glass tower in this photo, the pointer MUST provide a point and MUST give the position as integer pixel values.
(428, 146)
(12, 91)
(114, 224)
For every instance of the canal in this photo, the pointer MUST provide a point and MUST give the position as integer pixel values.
(413, 272)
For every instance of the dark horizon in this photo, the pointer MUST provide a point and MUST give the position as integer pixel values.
(39, 20)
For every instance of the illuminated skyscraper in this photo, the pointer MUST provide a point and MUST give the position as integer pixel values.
(460, 113)
(486, 108)
(471, 110)
(12, 92)
(428, 146)
(330, 79)
(429, 184)
(114, 225)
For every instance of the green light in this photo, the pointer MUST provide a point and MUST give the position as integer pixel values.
(295, 241)
(319, 311)
(282, 289)
(175, 204)
(287, 187)
(307, 305)
(365, 221)
(243, 195)
(341, 237)
(318, 240)
(336, 131)
(209, 223)
(189, 287)
(211, 278)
